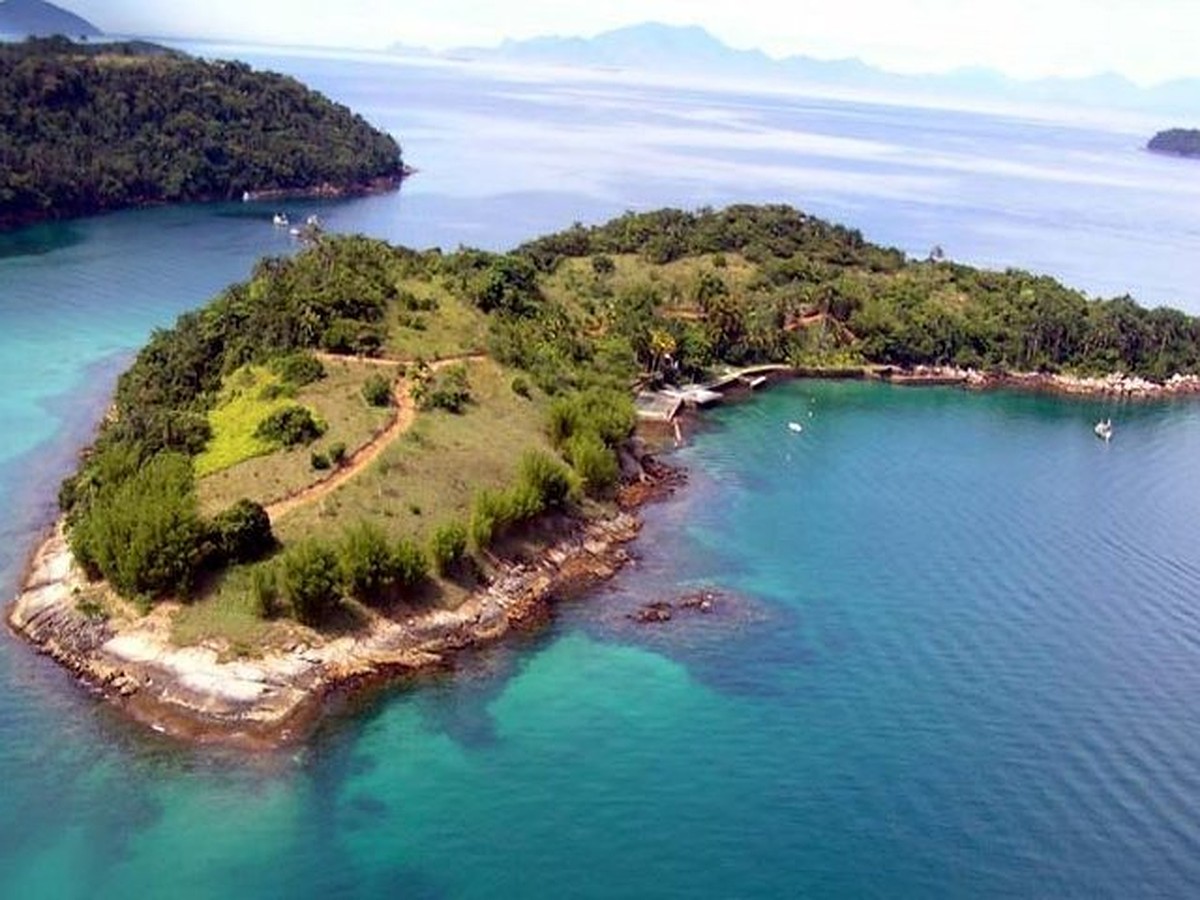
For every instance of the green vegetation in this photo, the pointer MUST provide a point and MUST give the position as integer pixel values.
(1177, 142)
(795, 288)
(88, 128)
(448, 388)
(250, 396)
(377, 391)
(143, 532)
(570, 323)
(289, 427)
(448, 547)
(335, 399)
(543, 484)
(309, 579)
(242, 533)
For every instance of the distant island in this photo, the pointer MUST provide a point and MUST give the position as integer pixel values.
(1176, 142)
(87, 128)
(36, 18)
(365, 457)
(654, 47)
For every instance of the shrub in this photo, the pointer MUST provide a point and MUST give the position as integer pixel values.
(603, 265)
(337, 454)
(412, 566)
(520, 386)
(508, 285)
(310, 579)
(595, 463)
(290, 427)
(353, 336)
(547, 479)
(377, 391)
(298, 369)
(448, 389)
(319, 460)
(143, 533)
(448, 546)
(410, 301)
(489, 515)
(606, 412)
(275, 390)
(368, 565)
(264, 591)
(242, 533)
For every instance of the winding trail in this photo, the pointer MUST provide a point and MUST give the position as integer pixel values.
(406, 413)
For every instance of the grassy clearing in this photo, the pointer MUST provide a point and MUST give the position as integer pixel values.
(455, 328)
(228, 615)
(337, 400)
(576, 284)
(430, 473)
(242, 405)
(426, 478)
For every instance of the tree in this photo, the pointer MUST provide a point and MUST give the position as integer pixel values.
(310, 579)
(368, 565)
(289, 427)
(509, 285)
(143, 533)
(377, 391)
(242, 533)
(448, 546)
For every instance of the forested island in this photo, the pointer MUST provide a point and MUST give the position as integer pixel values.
(366, 456)
(36, 18)
(1176, 142)
(87, 128)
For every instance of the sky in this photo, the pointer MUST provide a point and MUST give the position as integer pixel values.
(1147, 41)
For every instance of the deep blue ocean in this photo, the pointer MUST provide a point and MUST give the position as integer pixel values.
(956, 645)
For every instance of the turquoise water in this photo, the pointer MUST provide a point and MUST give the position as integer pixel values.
(956, 651)
(955, 654)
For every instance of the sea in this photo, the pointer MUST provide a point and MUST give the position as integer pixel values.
(954, 643)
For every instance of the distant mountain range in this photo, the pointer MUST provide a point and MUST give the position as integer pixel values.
(655, 47)
(36, 18)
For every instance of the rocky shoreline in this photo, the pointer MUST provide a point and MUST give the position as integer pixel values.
(329, 191)
(1116, 385)
(271, 700)
(325, 191)
(194, 694)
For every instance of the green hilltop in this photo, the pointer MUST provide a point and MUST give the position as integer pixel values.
(87, 128)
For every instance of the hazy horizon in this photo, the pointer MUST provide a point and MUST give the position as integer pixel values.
(1146, 41)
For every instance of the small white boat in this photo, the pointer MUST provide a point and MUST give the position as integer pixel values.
(280, 220)
(1104, 429)
(795, 427)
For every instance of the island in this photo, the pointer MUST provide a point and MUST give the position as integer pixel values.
(1176, 142)
(88, 128)
(36, 18)
(366, 457)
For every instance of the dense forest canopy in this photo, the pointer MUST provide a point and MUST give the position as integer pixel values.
(820, 292)
(87, 128)
(581, 316)
(1176, 141)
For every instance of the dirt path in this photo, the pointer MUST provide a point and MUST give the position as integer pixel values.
(406, 413)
